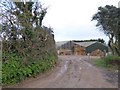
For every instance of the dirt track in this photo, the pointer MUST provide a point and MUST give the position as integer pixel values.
(72, 72)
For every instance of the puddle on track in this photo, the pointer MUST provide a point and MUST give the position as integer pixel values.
(62, 70)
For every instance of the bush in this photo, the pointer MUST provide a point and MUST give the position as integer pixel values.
(15, 70)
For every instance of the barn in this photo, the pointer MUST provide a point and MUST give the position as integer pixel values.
(65, 47)
(94, 48)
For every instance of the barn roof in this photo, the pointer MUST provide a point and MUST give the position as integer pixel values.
(58, 44)
(85, 44)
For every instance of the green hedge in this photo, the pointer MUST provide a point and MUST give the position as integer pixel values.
(27, 58)
(15, 70)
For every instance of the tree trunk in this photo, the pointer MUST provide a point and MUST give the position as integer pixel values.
(109, 43)
(119, 42)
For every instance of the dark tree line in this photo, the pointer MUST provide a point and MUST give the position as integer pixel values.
(99, 40)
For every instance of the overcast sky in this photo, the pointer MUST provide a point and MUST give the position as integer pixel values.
(71, 19)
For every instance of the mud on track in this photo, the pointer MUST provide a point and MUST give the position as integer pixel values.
(72, 72)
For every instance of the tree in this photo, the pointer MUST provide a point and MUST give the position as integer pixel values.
(21, 15)
(107, 19)
(101, 40)
(22, 23)
(28, 48)
(119, 29)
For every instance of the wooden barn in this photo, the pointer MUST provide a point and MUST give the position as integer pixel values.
(79, 50)
(93, 48)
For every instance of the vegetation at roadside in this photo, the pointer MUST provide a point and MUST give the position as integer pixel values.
(108, 21)
(28, 47)
(109, 61)
(15, 70)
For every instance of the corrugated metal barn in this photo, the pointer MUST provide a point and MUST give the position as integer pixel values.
(83, 48)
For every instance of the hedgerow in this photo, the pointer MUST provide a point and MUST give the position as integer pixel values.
(15, 70)
(28, 46)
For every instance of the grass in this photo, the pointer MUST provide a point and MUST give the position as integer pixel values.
(110, 62)
(0, 72)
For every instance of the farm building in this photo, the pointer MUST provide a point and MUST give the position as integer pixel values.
(64, 47)
(94, 48)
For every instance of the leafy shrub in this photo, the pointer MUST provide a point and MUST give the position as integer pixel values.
(14, 70)
(11, 69)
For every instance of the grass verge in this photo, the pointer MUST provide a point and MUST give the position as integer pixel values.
(110, 62)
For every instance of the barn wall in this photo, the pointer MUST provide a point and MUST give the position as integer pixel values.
(97, 53)
(79, 50)
(64, 52)
(66, 49)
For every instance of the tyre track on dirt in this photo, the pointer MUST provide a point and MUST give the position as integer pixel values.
(71, 72)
